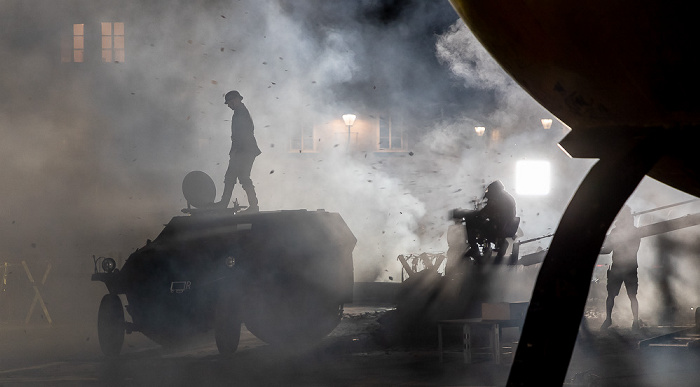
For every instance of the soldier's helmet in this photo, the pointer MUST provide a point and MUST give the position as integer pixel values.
(231, 95)
(494, 187)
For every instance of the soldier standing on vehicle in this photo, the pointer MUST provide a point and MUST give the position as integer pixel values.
(244, 150)
(623, 241)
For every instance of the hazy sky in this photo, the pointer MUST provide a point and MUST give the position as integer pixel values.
(94, 155)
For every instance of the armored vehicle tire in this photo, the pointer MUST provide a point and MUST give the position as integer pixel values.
(227, 325)
(288, 319)
(110, 325)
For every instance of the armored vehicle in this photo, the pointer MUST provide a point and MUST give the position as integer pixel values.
(285, 274)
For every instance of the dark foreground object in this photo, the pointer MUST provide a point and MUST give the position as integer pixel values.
(286, 274)
(628, 112)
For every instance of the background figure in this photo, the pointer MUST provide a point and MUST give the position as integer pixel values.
(492, 220)
(244, 150)
(623, 241)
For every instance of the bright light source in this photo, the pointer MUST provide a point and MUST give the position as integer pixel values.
(349, 119)
(532, 177)
(546, 123)
(479, 130)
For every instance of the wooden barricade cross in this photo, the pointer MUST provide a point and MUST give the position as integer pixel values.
(37, 294)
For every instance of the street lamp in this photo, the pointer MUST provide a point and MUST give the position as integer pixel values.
(479, 130)
(349, 120)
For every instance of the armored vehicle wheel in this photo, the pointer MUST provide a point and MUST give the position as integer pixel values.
(289, 319)
(110, 325)
(227, 324)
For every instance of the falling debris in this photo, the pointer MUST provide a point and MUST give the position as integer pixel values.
(272, 171)
(214, 82)
(410, 153)
(224, 17)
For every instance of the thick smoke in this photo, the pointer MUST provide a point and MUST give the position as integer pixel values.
(95, 153)
(516, 117)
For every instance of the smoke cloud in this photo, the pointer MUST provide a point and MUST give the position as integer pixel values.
(94, 153)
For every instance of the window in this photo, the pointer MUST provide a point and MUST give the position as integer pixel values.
(303, 140)
(390, 137)
(78, 42)
(73, 47)
(113, 42)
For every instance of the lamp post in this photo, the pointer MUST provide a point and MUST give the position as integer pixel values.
(479, 130)
(349, 120)
(546, 123)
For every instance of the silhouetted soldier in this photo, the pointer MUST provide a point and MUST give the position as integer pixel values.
(491, 221)
(244, 150)
(623, 241)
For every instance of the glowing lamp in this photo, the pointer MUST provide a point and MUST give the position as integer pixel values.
(546, 123)
(349, 119)
(479, 130)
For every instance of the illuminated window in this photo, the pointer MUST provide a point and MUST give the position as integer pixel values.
(532, 177)
(113, 42)
(390, 137)
(73, 47)
(303, 140)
